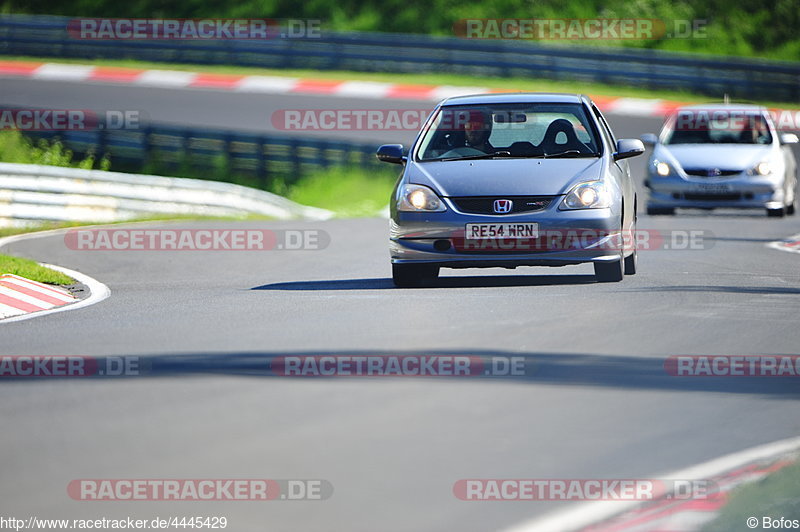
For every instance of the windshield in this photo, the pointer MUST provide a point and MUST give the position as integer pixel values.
(509, 130)
(717, 127)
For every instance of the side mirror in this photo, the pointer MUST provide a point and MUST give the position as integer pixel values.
(789, 138)
(628, 148)
(391, 153)
(649, 139)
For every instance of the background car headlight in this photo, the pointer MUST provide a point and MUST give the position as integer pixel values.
(762, 168)
(663, 169)
(418, 198)
(590, 195)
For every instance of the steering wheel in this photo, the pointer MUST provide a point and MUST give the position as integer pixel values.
(463, 151)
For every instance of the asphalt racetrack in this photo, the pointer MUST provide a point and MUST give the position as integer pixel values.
(595, 400)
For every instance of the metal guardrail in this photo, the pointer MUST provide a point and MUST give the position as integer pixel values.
(45, 36)
(36, 193)
(246, 158)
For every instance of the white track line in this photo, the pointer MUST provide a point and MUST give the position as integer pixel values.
(63, 72)
(594, 512)
(165, 78)
(268, 84)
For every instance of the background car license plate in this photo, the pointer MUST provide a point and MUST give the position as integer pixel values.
(504, 230)
(712, 188)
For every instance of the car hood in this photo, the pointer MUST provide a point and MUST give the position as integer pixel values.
(504, 177)
(723, 156)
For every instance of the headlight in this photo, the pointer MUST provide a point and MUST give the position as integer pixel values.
(418, 198)
(663, 169)
(762, 168)
(590, 195)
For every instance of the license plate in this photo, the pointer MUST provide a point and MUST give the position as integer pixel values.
(712, 188)
(504, 230)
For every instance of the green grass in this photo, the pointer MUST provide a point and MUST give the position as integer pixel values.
(32, 270)
(347, 191)
(776, 496)
(16, 148)
(511, 84)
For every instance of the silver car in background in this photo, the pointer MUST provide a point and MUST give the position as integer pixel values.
(507, 180)
(721, 156)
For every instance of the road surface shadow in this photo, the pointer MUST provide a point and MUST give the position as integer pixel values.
(726, 289)
(717, 213)
(544, 369)
(441, 282)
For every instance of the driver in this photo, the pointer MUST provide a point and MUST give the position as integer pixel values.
(477, 130)
(755, 132)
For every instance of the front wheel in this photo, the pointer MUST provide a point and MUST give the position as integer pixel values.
(609, 272)
(413, 275)
(776, 213)
(631, 263)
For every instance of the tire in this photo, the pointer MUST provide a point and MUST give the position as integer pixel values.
(609, 272)
(631, 263)
(776, 213)
(413, 275)
(660, 211)
(790, 209)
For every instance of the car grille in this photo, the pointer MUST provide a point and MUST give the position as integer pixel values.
(485, 204)
(712, 197)
(710, 172)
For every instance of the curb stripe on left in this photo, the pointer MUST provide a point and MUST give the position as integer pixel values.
(19, 295)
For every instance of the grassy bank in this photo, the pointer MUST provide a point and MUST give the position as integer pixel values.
(32, 270)
(349, 192)
(16, 148)
(775, 496)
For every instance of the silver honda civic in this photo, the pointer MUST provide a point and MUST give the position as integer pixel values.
(721, 156)
(507, 180)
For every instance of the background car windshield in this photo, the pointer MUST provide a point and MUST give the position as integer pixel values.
(520, 130)
(718, 127)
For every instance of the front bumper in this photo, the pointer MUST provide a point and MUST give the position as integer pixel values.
(740, 192)
(565, 237)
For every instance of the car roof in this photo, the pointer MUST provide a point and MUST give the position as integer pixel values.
(515, 97)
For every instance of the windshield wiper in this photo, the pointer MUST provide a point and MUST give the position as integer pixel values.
(479, 156)
(570, 153)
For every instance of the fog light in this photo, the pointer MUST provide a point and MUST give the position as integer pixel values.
(441, 245)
